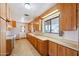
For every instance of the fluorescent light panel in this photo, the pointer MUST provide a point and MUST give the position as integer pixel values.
(50, 13)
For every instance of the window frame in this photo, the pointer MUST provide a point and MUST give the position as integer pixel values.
(45, 24)
(51, 25)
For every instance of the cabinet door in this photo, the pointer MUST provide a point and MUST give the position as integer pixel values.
(78, 15)
(42, 47)
(39, 46)
(67, 16)
(61, 50)
(70, 52)
(78, 53)
(8, 47)
(52, 49)
(13, 23)
(35, 42)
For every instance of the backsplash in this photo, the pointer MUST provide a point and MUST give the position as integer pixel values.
(68, 35)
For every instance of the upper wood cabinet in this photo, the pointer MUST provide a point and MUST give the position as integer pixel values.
(37, 24)
(67, 16)
(13, 23)
(29, 27)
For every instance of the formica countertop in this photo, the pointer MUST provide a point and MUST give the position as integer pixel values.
(67, 43)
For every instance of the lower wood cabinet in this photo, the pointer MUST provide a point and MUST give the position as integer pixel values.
(61, 50)
(71, 52)
(35, 43)
(42, 47)
(65, 51)
(9, 47)
(52, 49)
(78, 53)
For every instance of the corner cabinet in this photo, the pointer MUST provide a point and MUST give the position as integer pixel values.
(67, 16)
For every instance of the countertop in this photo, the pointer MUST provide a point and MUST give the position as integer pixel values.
(72, 45)
(10, 37)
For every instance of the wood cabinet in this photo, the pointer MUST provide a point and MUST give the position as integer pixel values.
(35, 42)
(42, 47)
(78, 15)
(29, 27)
(65, 51)
(61, 50)
(32, 40)
(67, 16)
(9, 46)
(71, 52)
(37, 23)
(13, 23)
(52, 49)
(78, 53)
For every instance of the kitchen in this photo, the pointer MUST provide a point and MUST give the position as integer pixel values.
(51, 28)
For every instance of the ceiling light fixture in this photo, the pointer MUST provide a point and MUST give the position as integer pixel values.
(27, 5)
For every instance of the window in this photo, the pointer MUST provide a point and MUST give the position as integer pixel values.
(52, 25)
(47, 26)
(55, 25)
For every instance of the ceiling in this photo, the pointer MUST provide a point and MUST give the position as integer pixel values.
(18, 10)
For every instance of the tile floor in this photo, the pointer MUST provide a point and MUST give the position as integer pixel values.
(24, 48)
